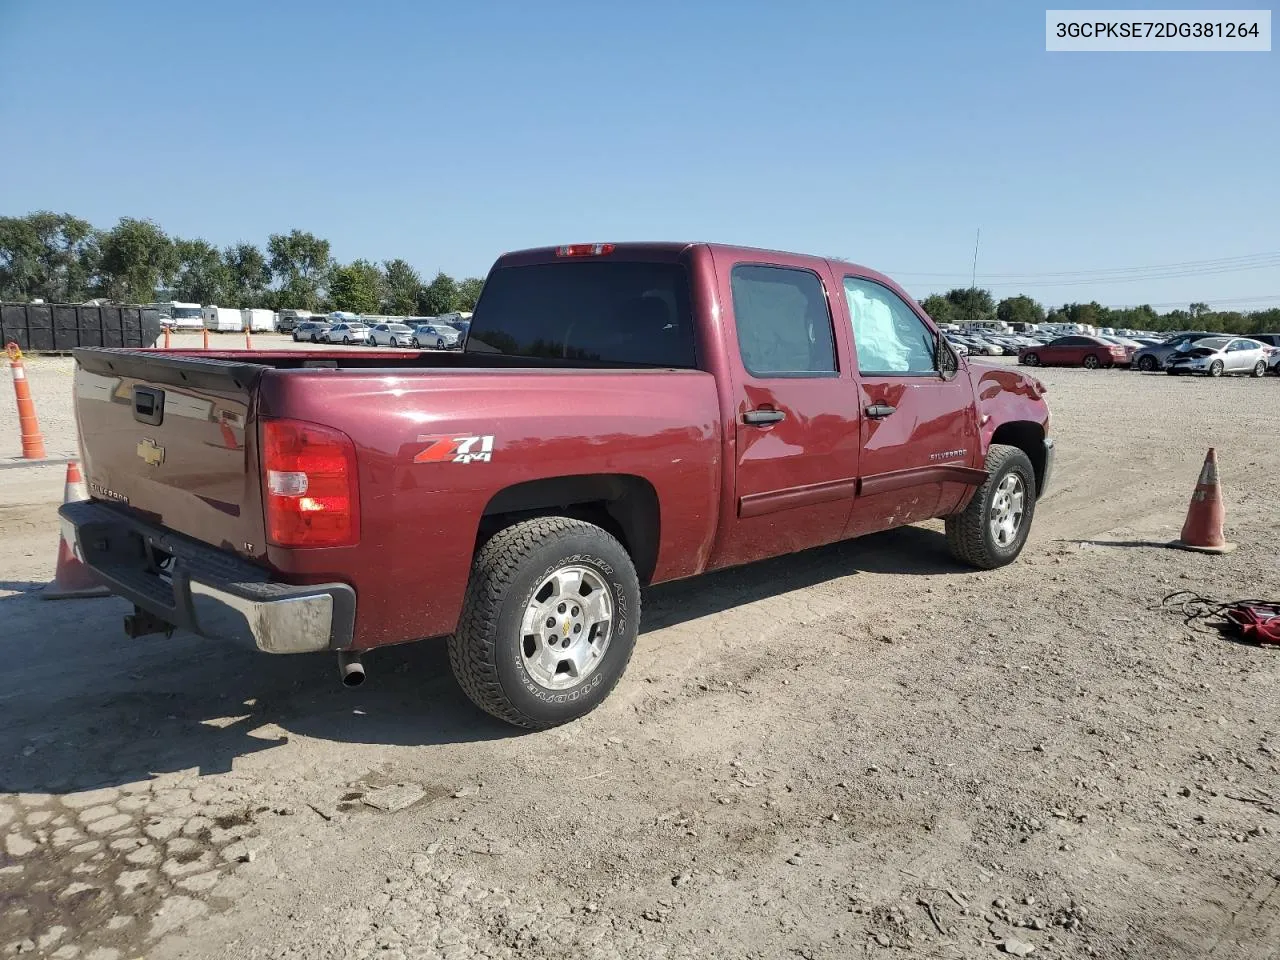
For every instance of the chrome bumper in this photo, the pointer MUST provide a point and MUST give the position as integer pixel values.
(190, 585)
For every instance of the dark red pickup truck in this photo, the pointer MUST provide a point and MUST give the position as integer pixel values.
(621, 415)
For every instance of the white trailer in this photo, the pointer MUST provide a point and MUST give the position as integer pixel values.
(222, 319)
(258, 319)
(180, 316)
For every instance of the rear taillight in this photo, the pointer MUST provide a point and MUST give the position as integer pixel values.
(584, 250)
(309, 485)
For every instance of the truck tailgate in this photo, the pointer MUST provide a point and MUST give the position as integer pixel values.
(173, 438)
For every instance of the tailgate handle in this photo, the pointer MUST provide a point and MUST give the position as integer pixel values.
(148, 405)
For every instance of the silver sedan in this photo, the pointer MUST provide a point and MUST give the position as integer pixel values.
(1216, 356)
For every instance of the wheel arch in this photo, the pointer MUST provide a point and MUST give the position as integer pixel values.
(625, 505)
(1028, 436)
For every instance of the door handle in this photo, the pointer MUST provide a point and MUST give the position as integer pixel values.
(760, 418)
(878, 411)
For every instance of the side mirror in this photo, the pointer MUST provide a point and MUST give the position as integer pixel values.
(945, 358)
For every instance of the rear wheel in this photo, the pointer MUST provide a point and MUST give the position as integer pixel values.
(1091, 362)
(548, 623)
(1216, 368)
(439, 343)
(346, 341)
(1260, 368)
(416, 345)
(1147, 363)
(993, 528)
(1031, 359)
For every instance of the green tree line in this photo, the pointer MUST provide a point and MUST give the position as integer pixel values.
(60, 258)
(971, 304)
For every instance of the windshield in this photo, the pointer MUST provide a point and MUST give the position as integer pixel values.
(398, 328)
(587, 310)
(185, 313)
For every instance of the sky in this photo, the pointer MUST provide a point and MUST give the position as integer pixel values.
(449, 132)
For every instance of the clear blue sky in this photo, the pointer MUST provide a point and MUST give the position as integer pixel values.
(448, 132)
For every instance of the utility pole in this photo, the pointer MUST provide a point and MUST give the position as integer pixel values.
(973, 281)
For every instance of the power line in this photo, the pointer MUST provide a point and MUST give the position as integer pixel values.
(1186, 268)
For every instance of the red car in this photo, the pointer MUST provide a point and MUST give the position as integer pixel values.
(621, 414)
(1074, 351)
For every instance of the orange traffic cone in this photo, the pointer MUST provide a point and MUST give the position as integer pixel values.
(166, 338)
(1202, 531)
(73, 579)
(248, 342)
(206, 338)
(32, 440)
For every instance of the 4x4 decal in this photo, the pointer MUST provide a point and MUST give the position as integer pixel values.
(456, 449)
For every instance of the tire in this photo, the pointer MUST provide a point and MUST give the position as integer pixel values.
(489, 652)
(1031, 359)
(439, 343)
(970, 535)
(314, 339)
(1147, 364)
(416, 345)
(1091, 362)
(1216, 368)
(346, 341)
(1260, 369)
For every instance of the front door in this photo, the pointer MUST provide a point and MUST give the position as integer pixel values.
(920, 443)
(796, 416)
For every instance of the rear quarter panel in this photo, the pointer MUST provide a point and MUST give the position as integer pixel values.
(419, 520)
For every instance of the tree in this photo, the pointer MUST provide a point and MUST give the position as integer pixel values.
(357, 287)
(439, 296)
(1198, 310)
(301, 264)
(938, 308)
(469, 293)
(203, 277)
(971, 305)
(247, 274)
(403, 286)
(137, 257)
(1019, 309)
(47, 255)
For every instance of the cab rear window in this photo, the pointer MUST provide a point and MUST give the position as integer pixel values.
(628, 313)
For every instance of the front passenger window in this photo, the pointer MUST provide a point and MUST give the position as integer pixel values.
(887, 335)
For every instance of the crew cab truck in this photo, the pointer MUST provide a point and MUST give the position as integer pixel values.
(622, 415)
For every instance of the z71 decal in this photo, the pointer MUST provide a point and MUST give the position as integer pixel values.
(455, 449)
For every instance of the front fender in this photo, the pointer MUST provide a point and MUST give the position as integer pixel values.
(1005, 395)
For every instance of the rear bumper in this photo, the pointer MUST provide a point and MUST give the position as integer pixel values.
(206, 590)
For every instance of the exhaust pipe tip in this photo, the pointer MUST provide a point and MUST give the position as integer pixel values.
(350, 669)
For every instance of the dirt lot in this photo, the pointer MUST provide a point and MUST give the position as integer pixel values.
(861, 750)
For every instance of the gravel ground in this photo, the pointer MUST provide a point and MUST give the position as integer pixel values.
(860, 750)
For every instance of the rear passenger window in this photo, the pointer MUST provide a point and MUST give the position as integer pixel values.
(889, 337)
(784, 323)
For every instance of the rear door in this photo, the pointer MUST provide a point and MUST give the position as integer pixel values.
(795, 410)
(919, 436)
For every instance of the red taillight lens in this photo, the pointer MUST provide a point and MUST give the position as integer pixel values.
(309, 485)
(584, 250)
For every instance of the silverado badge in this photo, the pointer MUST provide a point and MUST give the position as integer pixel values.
(151, 452)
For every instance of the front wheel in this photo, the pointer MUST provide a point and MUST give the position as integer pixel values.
(439, 343)
(416, 345)
(1091, 362)
(993, 528)
(548, 623)
(1215, 368)
(1260, 368)
(346, 341)
(1031, 360)
(1147, 363)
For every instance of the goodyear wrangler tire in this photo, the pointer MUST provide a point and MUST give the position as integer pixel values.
(548, 624)
(992, 530)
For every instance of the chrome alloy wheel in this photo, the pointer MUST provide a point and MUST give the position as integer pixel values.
(1007, 507)
(567, 627)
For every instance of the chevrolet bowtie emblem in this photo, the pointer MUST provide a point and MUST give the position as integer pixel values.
(151, 452)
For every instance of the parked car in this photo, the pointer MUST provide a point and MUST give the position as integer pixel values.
(984, 347)
(390, 335)
(1155, 358)
(347, 332)
(1216, 356)
(313, 330)
(1076, 350)
(1130, 347)
(957, 345)
(438, 335)
(630, 413)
